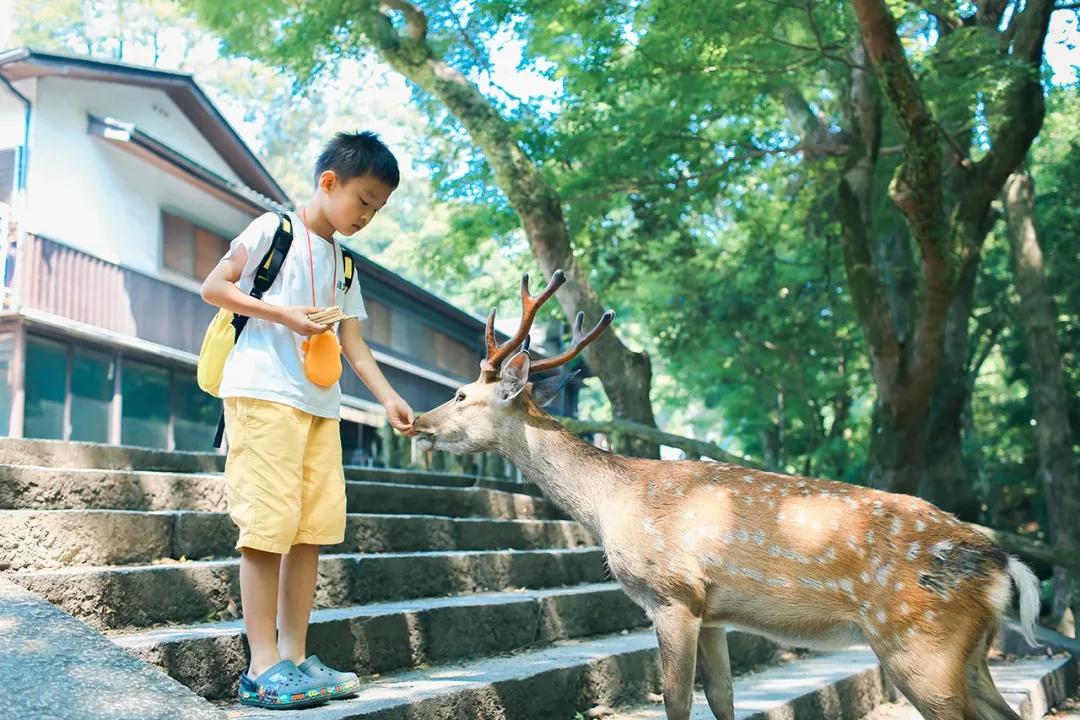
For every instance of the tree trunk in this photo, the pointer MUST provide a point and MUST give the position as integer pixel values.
(1038, 319)
(626, 375)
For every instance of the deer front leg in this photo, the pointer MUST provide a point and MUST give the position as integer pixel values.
(677, 633)
(716, 671)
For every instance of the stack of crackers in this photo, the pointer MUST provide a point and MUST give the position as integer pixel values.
(328, 316)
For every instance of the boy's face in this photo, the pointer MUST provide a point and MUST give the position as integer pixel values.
(352, 204)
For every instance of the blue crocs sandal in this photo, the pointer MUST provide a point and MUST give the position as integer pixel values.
(281, 687)
(340, 684)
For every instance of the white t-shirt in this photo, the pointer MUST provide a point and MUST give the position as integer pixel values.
(267, 362)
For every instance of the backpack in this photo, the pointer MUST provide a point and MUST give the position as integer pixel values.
(224, 330)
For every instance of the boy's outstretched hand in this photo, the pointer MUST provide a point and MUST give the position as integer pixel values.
(400, 415)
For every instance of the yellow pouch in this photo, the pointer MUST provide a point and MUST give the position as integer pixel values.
(322, 358)
(216, 345)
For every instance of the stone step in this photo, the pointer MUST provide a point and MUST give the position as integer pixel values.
(550, 683)
(32, 487)
(83, 455)
(145, 595)
(381, 637)
(38, 540)
(55, 668)
(572, 676)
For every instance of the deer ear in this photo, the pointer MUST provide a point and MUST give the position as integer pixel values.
(546, 390)
(514, 376)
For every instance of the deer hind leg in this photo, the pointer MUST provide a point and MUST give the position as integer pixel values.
(988, 700)
(716, 671)
(932, 674)
(677, 632)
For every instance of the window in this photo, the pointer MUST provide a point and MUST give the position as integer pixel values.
(7, 350)
(145, 418)
(189, 249)
(195, 414)
(92, 381)
(8, 173)
(46, 389)
(405, 334)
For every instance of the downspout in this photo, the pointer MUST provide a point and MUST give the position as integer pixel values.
(24, 150)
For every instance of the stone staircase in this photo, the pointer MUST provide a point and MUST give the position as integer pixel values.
(455, 597)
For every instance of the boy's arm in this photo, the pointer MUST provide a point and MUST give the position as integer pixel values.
(220, 289)
(363, 363)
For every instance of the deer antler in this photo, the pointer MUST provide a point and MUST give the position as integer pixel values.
(530, 304)
(579, 343)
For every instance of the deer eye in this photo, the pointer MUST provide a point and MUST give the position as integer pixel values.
(460, 397)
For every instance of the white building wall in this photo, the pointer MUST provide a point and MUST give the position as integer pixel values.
(86, 193)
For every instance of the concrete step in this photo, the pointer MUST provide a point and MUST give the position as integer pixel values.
(34, 487)
(144, 595)
(381, 637)
(37, 540)
(549, 683)
(55, 668)
(82, 455)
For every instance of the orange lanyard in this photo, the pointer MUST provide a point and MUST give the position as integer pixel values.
(311, 259)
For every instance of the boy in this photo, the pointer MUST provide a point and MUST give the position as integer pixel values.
(284, 476)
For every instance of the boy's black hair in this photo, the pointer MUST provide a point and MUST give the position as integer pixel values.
(354, 154)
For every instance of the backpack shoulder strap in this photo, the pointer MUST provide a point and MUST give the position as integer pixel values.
(269, 266)
(271, 263)
(348, 260)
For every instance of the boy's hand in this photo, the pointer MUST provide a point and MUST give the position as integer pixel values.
(400, 415)
(296, 319)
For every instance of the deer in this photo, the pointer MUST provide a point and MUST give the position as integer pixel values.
(703, 546)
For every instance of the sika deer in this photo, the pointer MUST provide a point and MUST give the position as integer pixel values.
(702, 546)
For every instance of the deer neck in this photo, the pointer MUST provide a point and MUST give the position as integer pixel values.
(578, 477)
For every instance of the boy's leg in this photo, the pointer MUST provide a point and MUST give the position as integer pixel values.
(263, 477)
(296, 593)
(258, 597)
(322, 522)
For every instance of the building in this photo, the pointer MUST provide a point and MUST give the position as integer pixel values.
(120, 187)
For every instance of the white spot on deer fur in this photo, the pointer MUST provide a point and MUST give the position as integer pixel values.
(811, 583)
(878, 510)
(759, 537)
(742, 536)
(899, 586)
(728, 536)
(784, 492)
(768, 487)
(772, 504)
(897, 525)
(712, 558)
(779, 582)
(880, 616)
(941, 547)
(852, 541)
(775, 550)
(668, 484)
(870, 536)
(930, 615)
(913, 551)
(832, 585)
(912, 632)
(847, 585)
(753, 573)
(920, 525)
(883, 574)
(904, 609)
(864, 608)
(801, 483)
(652, 489)
(748, 479)
(865, 577)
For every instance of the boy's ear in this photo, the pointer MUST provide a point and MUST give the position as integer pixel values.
(546, 390)
(514, 377)
(327, 180)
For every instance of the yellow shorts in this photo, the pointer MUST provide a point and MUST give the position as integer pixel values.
(283, 475)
